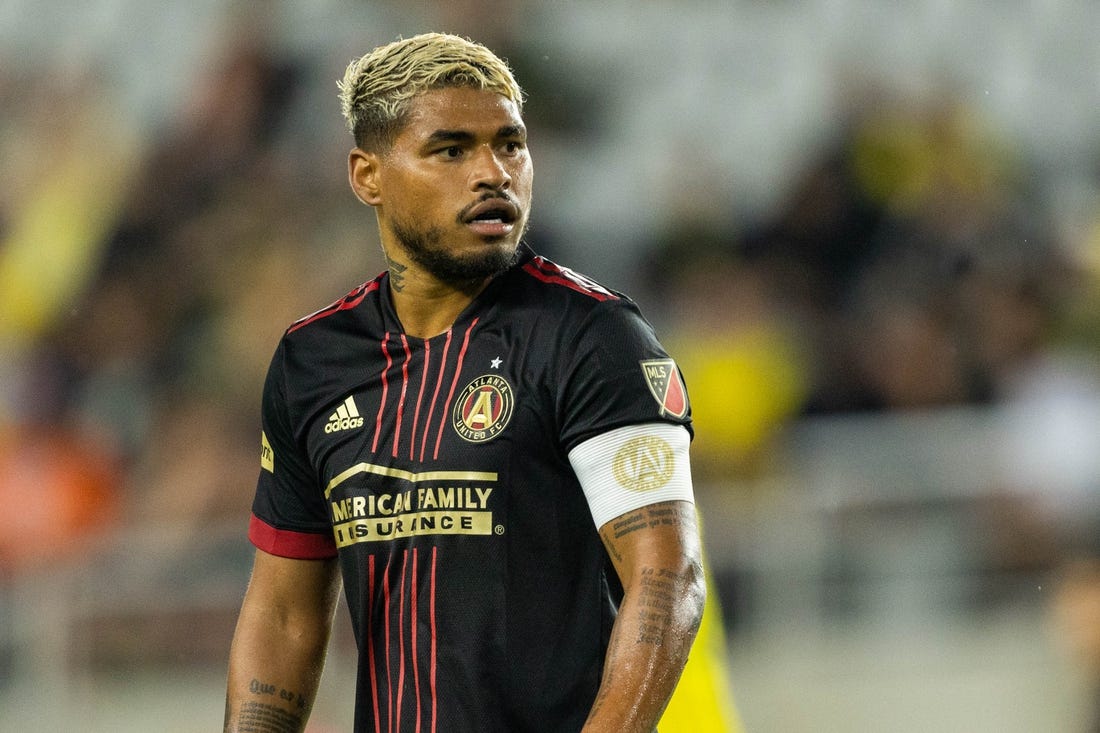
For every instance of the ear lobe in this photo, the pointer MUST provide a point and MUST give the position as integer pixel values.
(363, 171)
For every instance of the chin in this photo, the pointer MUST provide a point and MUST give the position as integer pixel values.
(485, 263)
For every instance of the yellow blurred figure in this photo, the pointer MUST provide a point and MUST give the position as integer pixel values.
(59, 224)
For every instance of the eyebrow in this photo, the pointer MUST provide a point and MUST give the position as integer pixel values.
(512, 131)
(463, 136)
(449, 136)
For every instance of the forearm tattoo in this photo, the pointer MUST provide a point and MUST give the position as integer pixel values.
(655, 624)
(657, 594)
(256, 716)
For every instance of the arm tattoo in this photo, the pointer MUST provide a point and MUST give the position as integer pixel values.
(261, 717)
(666, 515)
(612, 549)
(630, 523)
(258, 717)
(657, 601)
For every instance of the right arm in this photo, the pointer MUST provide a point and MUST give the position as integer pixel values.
(279, 646)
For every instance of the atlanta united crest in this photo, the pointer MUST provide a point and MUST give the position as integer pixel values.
(483, 409)
(667, 386)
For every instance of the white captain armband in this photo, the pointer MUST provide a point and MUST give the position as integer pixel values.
(631, 467)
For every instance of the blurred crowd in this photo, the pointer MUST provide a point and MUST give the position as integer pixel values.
(145, 278)
(913, 265)
(145, 281)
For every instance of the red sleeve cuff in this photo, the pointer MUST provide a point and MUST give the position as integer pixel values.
(287, 543)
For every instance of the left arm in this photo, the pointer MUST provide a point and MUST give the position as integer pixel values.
(657, 553)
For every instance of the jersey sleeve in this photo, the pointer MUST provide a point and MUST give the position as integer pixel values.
(289, 514)
(618, 374)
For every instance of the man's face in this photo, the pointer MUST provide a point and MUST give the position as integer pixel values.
(455, 188)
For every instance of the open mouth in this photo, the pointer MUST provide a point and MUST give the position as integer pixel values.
(492, 218)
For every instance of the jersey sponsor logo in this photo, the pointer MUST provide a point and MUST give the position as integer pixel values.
(346, 417)
(667, 387)
(483, 409)
(403, 504)
(267, 456)
(414, 524)
(644, 463)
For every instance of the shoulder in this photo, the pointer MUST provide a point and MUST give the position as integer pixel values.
(563, 281)
(319, 319)
(547, 294)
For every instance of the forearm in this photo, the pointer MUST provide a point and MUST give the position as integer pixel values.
(649, 646)
(274, 674)
(278, 650)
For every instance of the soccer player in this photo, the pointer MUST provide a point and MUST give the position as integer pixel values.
(486, 449)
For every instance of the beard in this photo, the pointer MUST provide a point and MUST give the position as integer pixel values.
(426, 248)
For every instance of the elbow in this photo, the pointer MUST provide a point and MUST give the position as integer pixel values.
(695, 598)
(687, 602)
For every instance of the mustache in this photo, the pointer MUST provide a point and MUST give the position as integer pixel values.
(497, 194)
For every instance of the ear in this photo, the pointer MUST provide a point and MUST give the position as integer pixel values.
(363, 170)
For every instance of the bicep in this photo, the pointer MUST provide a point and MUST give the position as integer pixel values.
(656, 546)
(286, 590)
(285, 621)
(637, 481)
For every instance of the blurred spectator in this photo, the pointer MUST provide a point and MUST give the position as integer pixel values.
(62, 490)
(923, 260)
(68, 174)
(130, 290)
(1076, 611)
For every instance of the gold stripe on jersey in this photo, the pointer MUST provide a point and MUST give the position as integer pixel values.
(389, 471)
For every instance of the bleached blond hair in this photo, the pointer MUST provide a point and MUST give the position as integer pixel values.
(377, 88)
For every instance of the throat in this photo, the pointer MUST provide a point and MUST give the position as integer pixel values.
(425, 312)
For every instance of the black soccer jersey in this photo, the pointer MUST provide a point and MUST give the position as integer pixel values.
(480, 593)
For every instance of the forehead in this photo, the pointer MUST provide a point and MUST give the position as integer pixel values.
(459, 108)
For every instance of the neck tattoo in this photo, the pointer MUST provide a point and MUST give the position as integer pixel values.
(397, 274)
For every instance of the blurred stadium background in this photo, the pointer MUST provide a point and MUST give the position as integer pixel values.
(870, 233)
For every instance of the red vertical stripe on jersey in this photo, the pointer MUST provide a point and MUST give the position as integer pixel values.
(414, 628)
(385, 391)
(454, 383)
(419, 399)
(370, 642)
(435, 394)
(386, 630)
(401, 637)
(404, 391)
(431, 621)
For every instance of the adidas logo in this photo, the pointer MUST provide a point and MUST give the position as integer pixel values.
(346, 417)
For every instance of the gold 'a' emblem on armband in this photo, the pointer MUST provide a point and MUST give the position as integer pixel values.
(483, 409)
(644, 463)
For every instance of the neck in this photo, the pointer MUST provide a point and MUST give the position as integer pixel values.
(426, 306)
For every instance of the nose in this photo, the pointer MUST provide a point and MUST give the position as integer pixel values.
(489, 171)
